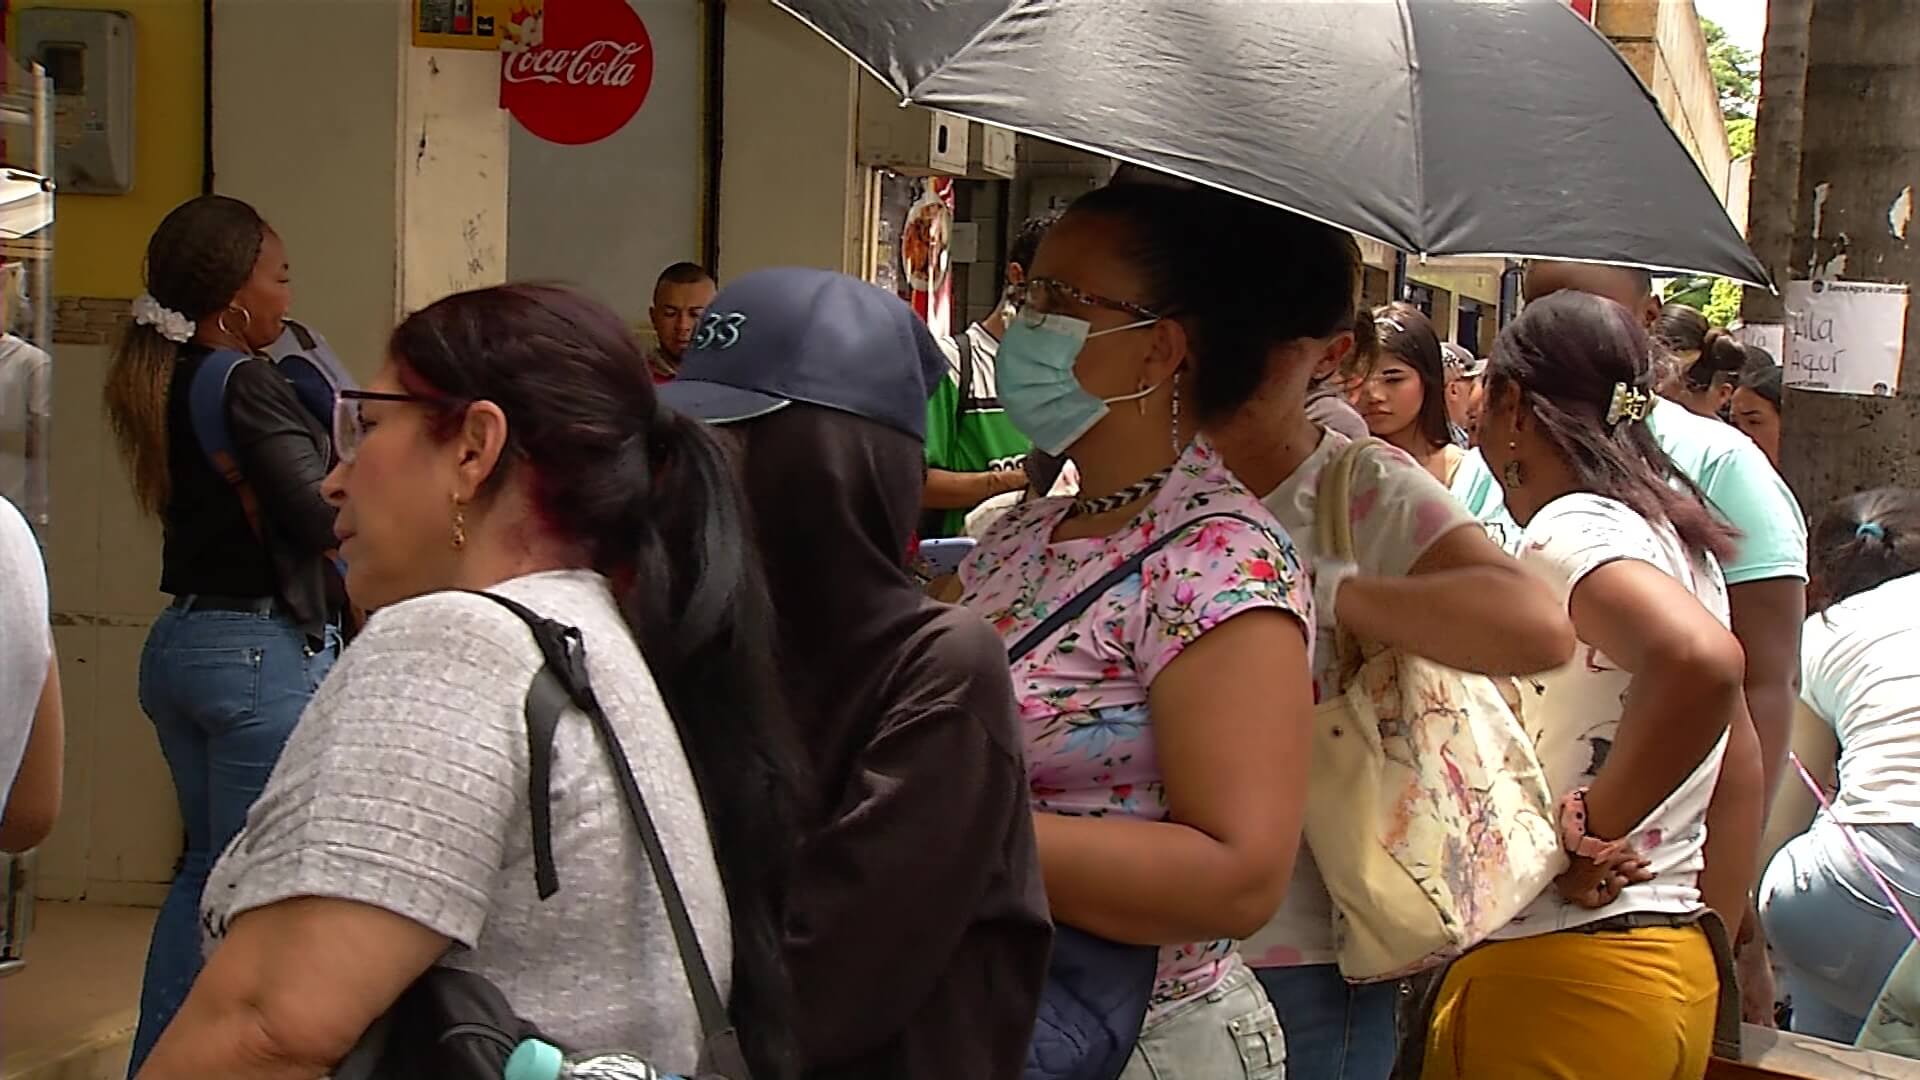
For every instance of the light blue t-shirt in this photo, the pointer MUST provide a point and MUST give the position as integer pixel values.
(1475, 487)
(1743, 487)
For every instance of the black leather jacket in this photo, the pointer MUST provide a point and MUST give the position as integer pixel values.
(283, 452)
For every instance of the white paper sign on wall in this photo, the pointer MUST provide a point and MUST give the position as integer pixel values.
(1769, 336)
(1845, 337)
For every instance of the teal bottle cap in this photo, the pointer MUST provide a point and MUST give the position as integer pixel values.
(534, 1060)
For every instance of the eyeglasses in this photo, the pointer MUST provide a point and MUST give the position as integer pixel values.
(1038, 298)
(350, 427)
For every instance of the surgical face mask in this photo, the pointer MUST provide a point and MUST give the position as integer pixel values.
(1037, 387)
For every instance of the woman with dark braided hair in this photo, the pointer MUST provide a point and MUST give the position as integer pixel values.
(252, 626)
(1609, 972)
(514, 444)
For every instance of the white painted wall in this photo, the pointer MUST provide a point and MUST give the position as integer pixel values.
(304, 129)
(609, 216)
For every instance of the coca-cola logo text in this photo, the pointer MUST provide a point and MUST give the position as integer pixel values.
(578, 71)
(602, 63)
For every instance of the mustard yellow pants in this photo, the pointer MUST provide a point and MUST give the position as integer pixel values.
(1637, 1005)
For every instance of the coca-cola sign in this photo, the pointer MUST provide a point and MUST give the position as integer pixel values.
(575, 71)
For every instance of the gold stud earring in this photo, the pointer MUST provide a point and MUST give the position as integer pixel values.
(459, 524)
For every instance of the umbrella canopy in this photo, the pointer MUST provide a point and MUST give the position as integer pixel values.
(1441, 127)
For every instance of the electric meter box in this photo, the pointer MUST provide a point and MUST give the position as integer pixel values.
(88, 56)
(909, 140)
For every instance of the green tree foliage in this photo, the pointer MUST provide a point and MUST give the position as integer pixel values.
(1717, 298)
(1723, 304)
(1740, 137)
(1736, 72)
(1692, 290)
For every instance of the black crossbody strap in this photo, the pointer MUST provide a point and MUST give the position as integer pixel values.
(561, 681)
(1077, 606)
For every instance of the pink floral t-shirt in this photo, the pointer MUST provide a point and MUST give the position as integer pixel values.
(1083, 693)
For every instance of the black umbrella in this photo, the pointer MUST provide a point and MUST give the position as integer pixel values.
(1473, 127)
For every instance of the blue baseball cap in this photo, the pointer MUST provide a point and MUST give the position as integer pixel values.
(775, 337)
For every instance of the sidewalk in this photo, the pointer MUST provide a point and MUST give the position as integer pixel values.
(70, 1014)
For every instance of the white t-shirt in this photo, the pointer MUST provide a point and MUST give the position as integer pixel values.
(26, 404)
(986, 349)
(1860, 671)
(1576, 709)
(1399, 510)
(26, 642)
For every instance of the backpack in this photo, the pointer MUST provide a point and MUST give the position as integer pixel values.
(455, 1025)
(303, 359)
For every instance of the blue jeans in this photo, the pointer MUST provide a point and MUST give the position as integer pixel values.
(224, 690)
(1830, 927)
(1335, 1030)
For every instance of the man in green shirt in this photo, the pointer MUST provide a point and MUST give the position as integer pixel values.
(973, 451)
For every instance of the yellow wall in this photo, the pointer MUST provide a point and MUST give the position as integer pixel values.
(99, 239)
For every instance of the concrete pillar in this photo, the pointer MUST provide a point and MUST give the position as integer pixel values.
(384, 169)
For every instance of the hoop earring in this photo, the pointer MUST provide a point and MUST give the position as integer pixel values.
(459, 524)
(221, 322)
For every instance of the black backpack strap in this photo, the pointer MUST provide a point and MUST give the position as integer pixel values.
(546, 700)
(1077, 606)
(563, 681)
(964, 343)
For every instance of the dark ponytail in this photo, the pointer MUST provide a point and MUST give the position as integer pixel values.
(1864, 541)
(199, 256)
(650, 497)
(1568, 352)
(1722, 360)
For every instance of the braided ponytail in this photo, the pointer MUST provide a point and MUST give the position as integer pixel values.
(197, 259)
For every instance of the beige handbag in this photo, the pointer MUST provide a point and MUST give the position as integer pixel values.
(1428, 812)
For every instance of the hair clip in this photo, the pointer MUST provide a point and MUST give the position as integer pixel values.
(1629, 403)
(1870, 530)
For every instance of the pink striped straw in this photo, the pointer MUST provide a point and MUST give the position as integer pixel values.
(1880, 879)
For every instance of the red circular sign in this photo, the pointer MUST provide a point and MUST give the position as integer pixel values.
(577, 71)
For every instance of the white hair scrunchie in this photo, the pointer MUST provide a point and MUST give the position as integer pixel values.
(170, 324)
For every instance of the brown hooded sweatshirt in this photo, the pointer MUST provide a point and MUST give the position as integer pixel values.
(918, 929)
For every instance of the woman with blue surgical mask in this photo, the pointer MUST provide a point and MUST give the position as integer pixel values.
(1159, 622)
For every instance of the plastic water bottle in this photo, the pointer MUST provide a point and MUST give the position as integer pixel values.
(536, 1060)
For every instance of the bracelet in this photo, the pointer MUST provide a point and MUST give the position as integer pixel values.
(1573, 830)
